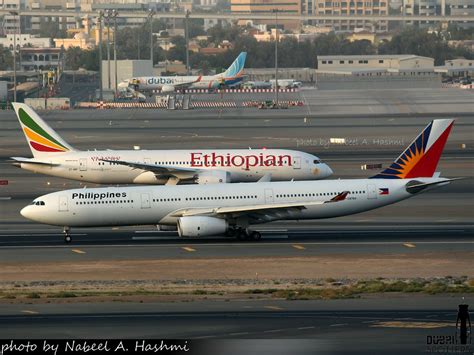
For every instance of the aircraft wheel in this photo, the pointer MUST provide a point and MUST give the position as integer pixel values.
(242, 235)
(255, 235)
(67, 238)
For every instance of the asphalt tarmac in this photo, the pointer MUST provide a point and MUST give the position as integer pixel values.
(356, 326)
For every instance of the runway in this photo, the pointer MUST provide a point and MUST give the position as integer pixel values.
(327, 327)
(45, 245)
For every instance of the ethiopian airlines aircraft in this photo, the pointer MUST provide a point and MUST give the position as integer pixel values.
(233, 208)
(168, 84)
(53, 156)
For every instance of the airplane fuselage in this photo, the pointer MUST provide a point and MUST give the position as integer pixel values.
(242, 165)
(151, 205)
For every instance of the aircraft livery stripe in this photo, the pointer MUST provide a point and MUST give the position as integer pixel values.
(39, 139)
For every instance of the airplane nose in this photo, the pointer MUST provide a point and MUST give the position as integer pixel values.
(24, 211)
(328, 171)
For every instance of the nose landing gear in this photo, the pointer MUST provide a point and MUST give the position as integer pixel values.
(67, 236)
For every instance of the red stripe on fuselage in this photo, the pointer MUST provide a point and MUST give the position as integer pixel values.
(43, 148)
(426, 166)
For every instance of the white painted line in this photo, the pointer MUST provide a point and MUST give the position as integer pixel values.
(304, 328)
(273, 331)
(5, 198)
(157, 231)
(205, 337)
(235, 334)
(339, 324)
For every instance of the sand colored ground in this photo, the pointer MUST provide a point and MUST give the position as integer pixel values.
(320, 267)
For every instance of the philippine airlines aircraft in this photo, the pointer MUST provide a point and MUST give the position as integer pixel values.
(232, 208)
(168, 84)
(53, 156)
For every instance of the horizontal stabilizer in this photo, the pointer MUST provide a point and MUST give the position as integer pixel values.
(16, 160)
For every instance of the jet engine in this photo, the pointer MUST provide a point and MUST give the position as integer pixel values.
(212, 177)
(166, 89)
(201, 226)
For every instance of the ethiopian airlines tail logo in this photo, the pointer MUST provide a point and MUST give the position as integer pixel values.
(38, 138)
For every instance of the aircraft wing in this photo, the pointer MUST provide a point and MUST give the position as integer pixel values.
(155, 168)
(262, 213)
(32, 161)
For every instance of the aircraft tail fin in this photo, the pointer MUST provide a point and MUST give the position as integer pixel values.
(421, 157)
(236, 68)
(42, 139)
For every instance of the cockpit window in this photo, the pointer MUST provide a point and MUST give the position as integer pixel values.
(38, 203)
(317, 161)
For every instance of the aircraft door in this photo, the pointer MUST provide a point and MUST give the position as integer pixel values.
(371, 192)
(268, 195)
(297, 163)
(83, 164)
(145, 201)
(63, 205)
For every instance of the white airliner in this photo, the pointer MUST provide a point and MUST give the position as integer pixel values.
(53, 156)
(168, 84)
(233, 208)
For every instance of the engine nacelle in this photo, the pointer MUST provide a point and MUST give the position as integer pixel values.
(165, 89)
(201, 226)
(212, 177)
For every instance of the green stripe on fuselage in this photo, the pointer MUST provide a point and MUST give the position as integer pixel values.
(31, 124)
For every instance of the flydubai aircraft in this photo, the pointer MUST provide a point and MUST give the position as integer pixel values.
(199, 211)
(52, 155)
(169, 84)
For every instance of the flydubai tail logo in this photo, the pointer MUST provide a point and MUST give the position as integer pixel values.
(38, 138)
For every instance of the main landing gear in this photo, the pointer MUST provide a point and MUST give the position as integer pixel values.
(244, 234)
(67, 236)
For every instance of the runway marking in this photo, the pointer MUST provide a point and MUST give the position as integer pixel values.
(339, 324)
(115, 228)
(5, 198)
(304, 328)
(274, 308)
(299, 247)
(78, 251)
(409, 245)
(27, 311)
(418, 325)
(205, 337)
(273, 330)
(236, 334)
(188, 249)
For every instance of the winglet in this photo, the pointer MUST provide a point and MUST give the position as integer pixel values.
(339, 197)
(266, 178)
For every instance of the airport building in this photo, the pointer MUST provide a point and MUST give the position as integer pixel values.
(457, 67)
(306, 75)
(376, 72)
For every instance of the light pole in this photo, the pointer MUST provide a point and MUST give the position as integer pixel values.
(99, 23)
(114, 15)
(14, 13)
(107, 19)
(276, 56)
(186, 36)
(151, 13)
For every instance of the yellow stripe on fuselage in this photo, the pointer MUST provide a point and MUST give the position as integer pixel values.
(39, 139)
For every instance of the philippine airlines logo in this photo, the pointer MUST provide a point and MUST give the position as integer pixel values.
(245, 161)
